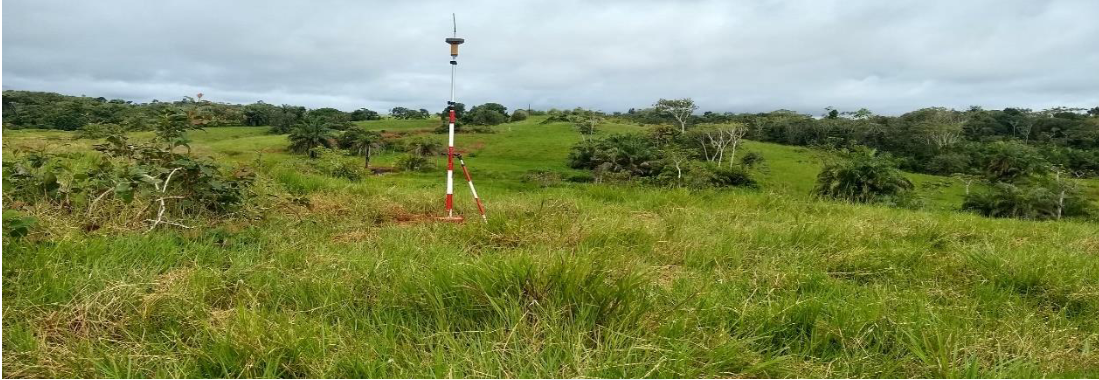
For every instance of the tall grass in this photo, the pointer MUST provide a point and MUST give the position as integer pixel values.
(353, 279)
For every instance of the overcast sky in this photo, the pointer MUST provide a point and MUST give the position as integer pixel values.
(889, 56)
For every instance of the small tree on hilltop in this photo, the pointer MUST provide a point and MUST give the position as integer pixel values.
(679, 109)
(862, 176)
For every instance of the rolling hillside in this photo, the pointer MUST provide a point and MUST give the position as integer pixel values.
(343, 278)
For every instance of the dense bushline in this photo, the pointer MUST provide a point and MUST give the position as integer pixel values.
(664, 156)
(930, 140)
(46, 110)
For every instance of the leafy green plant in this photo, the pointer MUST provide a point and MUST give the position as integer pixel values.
(17, 225)
(1027, 201)
(99, 130)
(333, 164)
(413, 162)
(311, 133)
(862, 176)
(361, 141)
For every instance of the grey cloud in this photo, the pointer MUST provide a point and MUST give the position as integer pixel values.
(889, 56)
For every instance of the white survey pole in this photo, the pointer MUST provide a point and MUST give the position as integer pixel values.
(454, 42)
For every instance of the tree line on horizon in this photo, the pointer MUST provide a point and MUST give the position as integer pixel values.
(1029, 162)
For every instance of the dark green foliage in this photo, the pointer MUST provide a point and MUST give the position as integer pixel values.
(362, 142)
(312, 133)
(334, 118)
(459, 112)
(28, 109)
(363, 114)
(171, 129)
(1011, 161)
(1027, 201)
(486, 117)
(408, 113)
(333, 164)
(862, 176)
(463, 122)
(751, 159)
(125, 171)
(950, 163)
(17, 225)
(726, 176)
(629, 154)
(424, 147)
(656, 160)
(413, 162)
(285, 117)
(99, 130)
(486, 114)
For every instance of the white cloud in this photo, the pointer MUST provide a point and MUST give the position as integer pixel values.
(612, 55)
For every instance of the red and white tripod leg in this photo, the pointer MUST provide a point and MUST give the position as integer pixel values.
(473, 190)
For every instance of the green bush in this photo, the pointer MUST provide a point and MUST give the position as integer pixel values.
(1021, 201)
(862, 176)
(518, 115)
(751, 159)
(413, 162)
(333, 164)
(99, 130)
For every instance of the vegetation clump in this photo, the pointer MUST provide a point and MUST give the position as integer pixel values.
(862, 176)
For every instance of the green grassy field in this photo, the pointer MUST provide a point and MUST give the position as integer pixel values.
(568, 280)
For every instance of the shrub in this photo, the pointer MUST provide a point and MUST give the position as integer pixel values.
(751, 159)
(333, 164)
(703, 175)
(1007, 200)
(312, 133)
(126, 172)
(17, 225)
(728, 176)
(518, 115)
(949, 163)
(412, 162)
(862, 176)
(621, 153)
(1011, 161)
(99, 130)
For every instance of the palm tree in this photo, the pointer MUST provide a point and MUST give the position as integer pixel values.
(864, 176)
(311, 133)
(362, 142)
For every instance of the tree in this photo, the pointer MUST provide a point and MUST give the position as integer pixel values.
(362, 114)
(311, 133)
(861, 176)
(486, 114)
(361, 141)
(334, 118)
(285, 117)
(585, 121)
(714, 139)
(408, 113)
(941, 127)
(679, 109)
(1010, 161)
